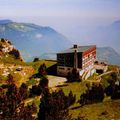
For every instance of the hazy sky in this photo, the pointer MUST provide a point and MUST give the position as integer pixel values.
(67, 8)
(66, 16)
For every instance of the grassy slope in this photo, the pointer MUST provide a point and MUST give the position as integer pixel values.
(29, 68)
(37, 64)
(107, 110)
(111, 109)
(93, 111)
(9, 59)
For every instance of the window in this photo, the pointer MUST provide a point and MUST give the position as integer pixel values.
(61, 68)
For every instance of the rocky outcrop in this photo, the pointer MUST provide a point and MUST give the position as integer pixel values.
(7, 48)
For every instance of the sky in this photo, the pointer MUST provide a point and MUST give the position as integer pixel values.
(67, 8)
(66, 16)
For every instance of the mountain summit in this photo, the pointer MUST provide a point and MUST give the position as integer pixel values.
(5, 21)
(33, 40)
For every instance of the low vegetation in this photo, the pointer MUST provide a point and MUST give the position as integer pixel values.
(74, 76)
(9, 59)
(54, 106)
(37, 64)
(12, 105)
(93, 94)
(96, 110)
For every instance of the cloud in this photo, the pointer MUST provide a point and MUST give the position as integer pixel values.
(38, 36)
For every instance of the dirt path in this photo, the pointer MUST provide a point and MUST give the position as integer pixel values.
(98, 78)
(54, 81)
(105, 73)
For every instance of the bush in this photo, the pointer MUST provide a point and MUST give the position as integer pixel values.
(36, 59)
(35, 91)
(16, 54)
(11, 105)
(54, 106)
(72, 98)
(93, 95)
(74, 76)
(109, 90)
(44, 82)
(116, 92)
(23, 91)
(3, 40)
(42, 70)
(113, 88)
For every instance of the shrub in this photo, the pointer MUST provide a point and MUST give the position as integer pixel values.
(11, 105)
(35, 91)
(36, 59)
(116, 92)
(44, 82)
(93, 95)
(23, 91)
(54, 106)
(113, 88)
(42, 70)
(74, 76)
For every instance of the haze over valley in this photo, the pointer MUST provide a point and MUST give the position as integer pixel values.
(44, 42)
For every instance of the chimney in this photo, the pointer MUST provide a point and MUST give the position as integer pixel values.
(75, 46)
(75, 57)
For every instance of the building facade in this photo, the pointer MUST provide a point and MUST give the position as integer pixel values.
(80, 57)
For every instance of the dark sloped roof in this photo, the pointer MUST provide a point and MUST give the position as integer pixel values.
(79, 49)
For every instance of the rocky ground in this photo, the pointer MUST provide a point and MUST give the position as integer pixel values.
(20, 73)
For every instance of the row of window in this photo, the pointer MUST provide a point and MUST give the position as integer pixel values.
(61, 68)
(90, 55)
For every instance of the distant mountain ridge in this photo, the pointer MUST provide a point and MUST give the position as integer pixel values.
(38, 41)
(116, 24)
(107, 35)
(106, 54)
(109, 55)
(33, 40)
(5, 21)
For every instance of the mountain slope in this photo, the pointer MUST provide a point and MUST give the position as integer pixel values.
(108, 54)
(107, 36)
(33, 40)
